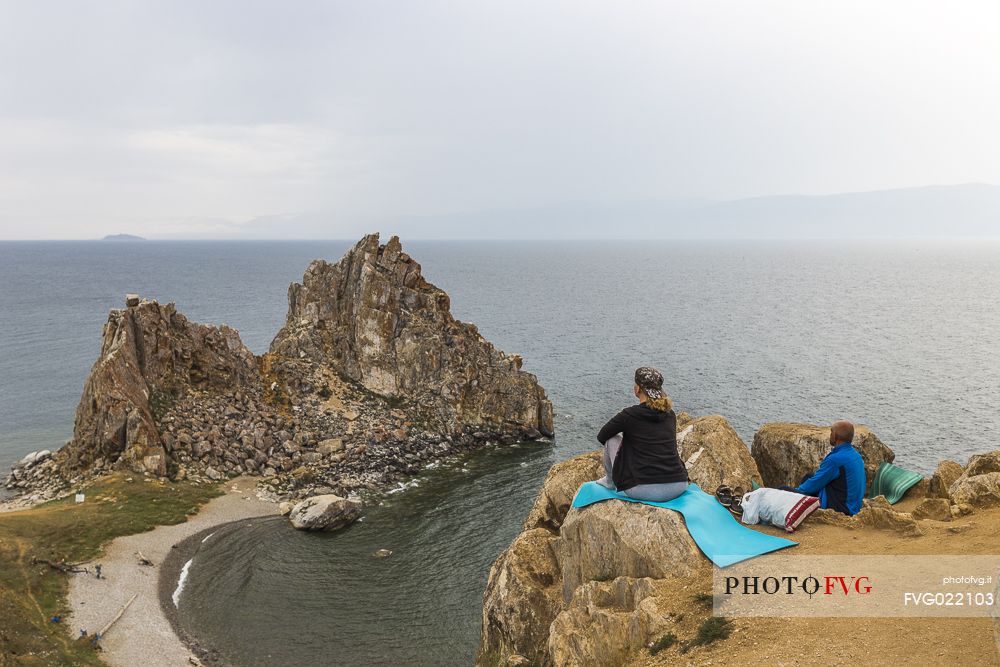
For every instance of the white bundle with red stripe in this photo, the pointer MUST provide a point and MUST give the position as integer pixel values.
(778, 508)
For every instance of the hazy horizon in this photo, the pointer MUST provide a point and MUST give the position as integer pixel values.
(243, 120)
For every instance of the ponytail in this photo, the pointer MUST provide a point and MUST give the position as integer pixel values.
(662, 404)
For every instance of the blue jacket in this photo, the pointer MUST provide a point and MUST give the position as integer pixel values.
(840, 480)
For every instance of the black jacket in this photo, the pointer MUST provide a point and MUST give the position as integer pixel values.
(648, 454)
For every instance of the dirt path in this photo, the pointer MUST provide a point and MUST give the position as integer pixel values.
(870, 641)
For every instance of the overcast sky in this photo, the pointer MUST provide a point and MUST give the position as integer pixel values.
(325, 119)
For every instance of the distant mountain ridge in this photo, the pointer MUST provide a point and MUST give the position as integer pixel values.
(122, 237)
(971, 209)
(966, 210)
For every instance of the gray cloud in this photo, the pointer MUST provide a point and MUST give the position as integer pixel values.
(267, 119)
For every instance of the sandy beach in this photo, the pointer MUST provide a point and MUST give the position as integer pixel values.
(143, 635)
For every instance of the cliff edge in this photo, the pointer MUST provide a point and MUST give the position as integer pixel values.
(601, 585)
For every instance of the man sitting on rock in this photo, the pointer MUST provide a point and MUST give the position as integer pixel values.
(840, 479)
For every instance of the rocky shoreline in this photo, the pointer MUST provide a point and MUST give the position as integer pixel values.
(596, 586)
(369, 380)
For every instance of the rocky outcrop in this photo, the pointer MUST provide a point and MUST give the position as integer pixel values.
(714, 454)
(328, 512)
(522, 598)
(979, 484)
(374, 318)
(561, 484)
(878, 515)
(561, 566)
(593, 586)
(936, 509)
(370, 379)
(605, 621)
(944, 476)
(785, 452)
(606, 540)
(150, 356)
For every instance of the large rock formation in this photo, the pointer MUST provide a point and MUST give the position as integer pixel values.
(714, 454)
(605, 622)
(370, 378)
(559, 488)
(944, 476)
(785, 453)
(150, 356)
(596, 586)
(979, 485)
(522, 598)
(606, 540)
(373, 318)
(557, 569)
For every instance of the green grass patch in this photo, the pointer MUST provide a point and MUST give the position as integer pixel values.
(664, 642)
(61, 530)
(712, 629)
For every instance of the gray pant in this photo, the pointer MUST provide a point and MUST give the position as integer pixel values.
(653, 492)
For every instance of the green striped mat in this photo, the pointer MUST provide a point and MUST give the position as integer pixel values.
(893, 482)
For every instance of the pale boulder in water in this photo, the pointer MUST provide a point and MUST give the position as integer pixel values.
(326, 512)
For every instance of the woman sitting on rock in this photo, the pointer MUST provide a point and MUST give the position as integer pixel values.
(640, 444)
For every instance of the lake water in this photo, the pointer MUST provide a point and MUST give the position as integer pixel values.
(900, 336)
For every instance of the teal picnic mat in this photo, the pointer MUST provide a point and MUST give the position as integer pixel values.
(712, 527)
(893, 482)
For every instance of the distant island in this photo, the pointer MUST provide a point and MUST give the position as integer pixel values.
(122, 237)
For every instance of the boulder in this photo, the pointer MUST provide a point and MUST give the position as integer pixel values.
(31, 459)
(979, 484)
(330, 446)
(560, 486)
(983, 464)
(522, 598)
(714, 454)
(938, 509)
(944, 476)
(325, 512)
(605, 622)
(785, 452)
(872, 515)
(615, 539)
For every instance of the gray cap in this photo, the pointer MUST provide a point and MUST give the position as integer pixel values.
(650, 381)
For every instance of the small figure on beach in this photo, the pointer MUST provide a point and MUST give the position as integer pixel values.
(97, 571)
(640, 444)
